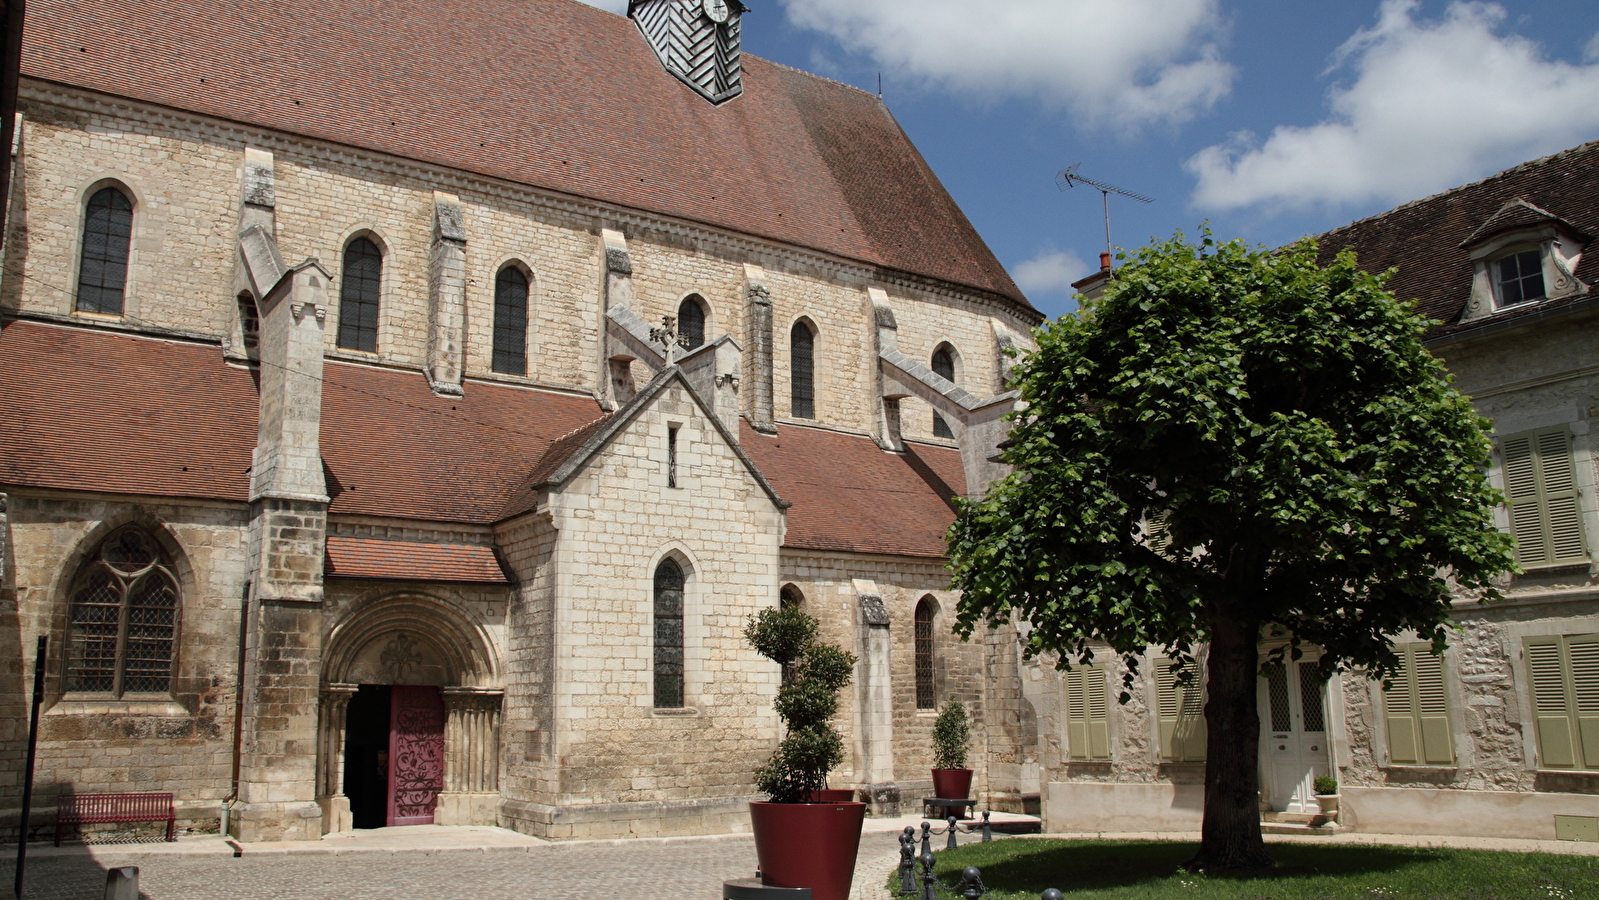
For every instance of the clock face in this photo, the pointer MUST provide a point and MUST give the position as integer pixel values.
(716, 10)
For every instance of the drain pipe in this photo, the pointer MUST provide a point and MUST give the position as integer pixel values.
(238, 706)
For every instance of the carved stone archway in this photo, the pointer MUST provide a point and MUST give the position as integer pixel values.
(414, 639)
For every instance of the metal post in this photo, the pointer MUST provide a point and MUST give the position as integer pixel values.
(953, 827)
(122, 883)
(907, 861)
(927, 838)
(974, 884)
(988, 831)
(929, 884)
(27, 773)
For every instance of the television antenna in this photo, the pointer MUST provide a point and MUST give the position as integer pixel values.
(1068, 178)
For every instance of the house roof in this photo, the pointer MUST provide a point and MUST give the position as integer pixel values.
(352, 557)
(1424, 240)
(549, 93)
(851, 496)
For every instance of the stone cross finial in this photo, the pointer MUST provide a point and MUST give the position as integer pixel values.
(666, 336)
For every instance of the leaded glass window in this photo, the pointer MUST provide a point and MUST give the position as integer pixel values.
(359, 296)
(690, 322)
(510, 321)
(668, 635)
(103, 267)
(944, 366)
(123, 618)
(802, 372)
(924, 656)
(1520, 278)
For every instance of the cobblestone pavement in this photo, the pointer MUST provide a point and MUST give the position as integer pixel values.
(644, 869)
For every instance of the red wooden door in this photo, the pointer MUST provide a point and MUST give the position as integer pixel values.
(416, 754)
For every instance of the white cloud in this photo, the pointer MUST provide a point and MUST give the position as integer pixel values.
(1432, 104)
(1118, 63)
(1050, 272)
(616, 6)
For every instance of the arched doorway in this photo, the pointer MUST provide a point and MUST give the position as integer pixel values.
(409, 724)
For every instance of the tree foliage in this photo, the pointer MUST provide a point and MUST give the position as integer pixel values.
(812, 747)
(951, 735)
(1312, 464)
(1308, 461)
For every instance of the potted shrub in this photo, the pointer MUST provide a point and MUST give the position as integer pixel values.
(1327, 796)
(801, 842)
(951, 779)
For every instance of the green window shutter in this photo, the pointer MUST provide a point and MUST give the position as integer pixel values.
(1180, 712)
(1087, 713)
(1551, 712)
(1432, 708)
(1583, 655)
(1541, 489)
(1159, 535)
(1399, 710)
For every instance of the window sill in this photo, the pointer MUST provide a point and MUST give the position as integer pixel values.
(1413, 769)
(1576, 565)
(682, 712)
(127, 706)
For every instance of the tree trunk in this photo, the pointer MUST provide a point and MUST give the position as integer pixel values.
(1231, 833)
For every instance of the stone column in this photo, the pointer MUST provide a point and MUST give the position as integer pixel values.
(615, 377)
(876, 703)
(885, 400)
(471, 794)
(758, 350)
(446, 296)
(331, 711)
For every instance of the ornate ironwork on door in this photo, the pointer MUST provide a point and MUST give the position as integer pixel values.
(416, 754)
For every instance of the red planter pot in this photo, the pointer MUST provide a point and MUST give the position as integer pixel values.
(808, 845)
(952, 784)
(832, 795)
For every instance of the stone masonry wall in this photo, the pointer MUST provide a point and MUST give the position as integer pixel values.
(180, 743)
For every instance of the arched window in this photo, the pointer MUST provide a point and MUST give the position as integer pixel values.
(802, 372)
(943, 365)
(790, 598)
(103, 267)
(359, 295)
(249, 323)
(924, 655)
(691, 322)
(123, 618)
(668, 635)
(510, 321)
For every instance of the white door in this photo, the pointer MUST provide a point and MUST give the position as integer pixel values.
(1294, 733)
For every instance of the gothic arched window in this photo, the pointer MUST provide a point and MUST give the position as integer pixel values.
(943, 365)
(924, 655)
(668, 635)
(790, 598)
(691, 322)
(510, 321)
(360, 291)
(123, 618)
(103, 266)
(802, 372)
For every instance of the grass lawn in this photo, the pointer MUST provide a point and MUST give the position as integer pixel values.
(1149, 870)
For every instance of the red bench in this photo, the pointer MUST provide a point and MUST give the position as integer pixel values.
(96, 809)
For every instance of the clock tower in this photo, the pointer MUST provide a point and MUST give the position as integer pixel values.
(696, 40)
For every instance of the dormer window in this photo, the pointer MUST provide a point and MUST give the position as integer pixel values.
(1519, 278)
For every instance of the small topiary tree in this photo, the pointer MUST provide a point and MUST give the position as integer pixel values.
(950, 736)
(811, 747)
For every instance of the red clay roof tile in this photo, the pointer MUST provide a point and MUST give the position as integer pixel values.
(350, 557)
(550, 93)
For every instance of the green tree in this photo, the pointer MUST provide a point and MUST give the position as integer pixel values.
(1307, 461)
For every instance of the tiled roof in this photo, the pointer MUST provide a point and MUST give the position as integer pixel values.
(1423, 239)
(350, 557)
(96, 411)
(560, 450)
(848, 495)
(550, 93)
(393, 448)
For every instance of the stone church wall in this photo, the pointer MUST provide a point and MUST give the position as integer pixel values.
(181, 743)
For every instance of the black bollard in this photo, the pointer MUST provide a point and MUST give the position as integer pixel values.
(988, 832)
(1051, 894)
(927, 838)
(974, 884)
(122, 883)
(929, 884)
(953, 826)
(907, 861)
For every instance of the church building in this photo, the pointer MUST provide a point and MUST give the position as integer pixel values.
(404, 407)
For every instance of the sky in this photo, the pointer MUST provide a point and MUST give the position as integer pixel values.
(1269, 120)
